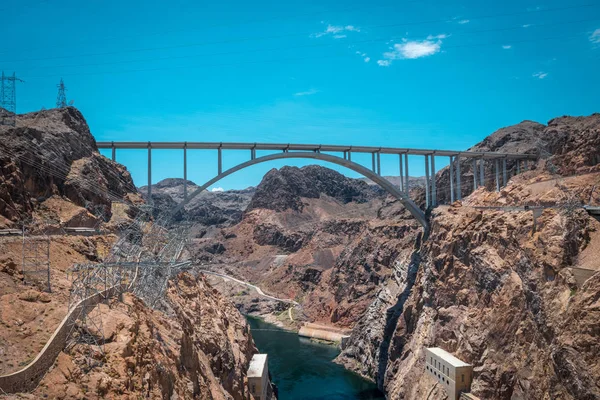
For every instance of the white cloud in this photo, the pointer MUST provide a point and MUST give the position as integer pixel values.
(526, 25)
(540, 75)
(412, 49)
(438, 37)
(307, 93)
(463, 21)
(217, 189)
(507, 47)
(367, 59)
(595, 37)
(336, 31)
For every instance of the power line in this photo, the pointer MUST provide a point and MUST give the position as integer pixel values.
(284, 60)
(313, 45)
(280, 36)
(120, 37)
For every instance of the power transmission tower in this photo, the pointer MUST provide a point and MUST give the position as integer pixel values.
(8, 99)
(61, 99)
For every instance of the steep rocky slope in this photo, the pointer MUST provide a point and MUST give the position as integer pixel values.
(201, 352)
(52, 176)
(495, 289)
(52, 153)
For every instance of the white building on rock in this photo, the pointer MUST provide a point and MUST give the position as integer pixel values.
(451, 373)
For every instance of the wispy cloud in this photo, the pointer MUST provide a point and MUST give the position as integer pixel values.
(412, 49)
(595, 36)
(217, 189)
(507, 47)
(309, 92)
(367, 59)
(463, 21)
(540, 75)
(526, 25)
(337, 31)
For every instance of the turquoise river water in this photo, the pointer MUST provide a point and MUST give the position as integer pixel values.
(304, 370)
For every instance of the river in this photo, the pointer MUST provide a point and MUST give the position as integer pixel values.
(304, 370)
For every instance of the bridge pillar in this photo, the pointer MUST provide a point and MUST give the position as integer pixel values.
(406, 173)
(253, 153)
(504, 173)
(345, 155)
(474, 174)
(401, 174)
(451, 179)
(373, 167)
(185, 171)
(114, 152)
(149, 173)
(482, 172)
(497, 175)
(378, 163)
(458, 186)
(518, 167)
(433, 182)
(427, 181)
(220, 161)
(349, 155)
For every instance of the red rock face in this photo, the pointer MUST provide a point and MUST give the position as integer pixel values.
(201, 352)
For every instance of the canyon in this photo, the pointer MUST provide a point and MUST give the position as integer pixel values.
(490, 281)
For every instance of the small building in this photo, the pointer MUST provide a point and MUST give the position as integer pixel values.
(450, 372)
(258, 376)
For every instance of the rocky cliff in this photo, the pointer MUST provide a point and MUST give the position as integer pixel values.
(495, 287)
(52, 153)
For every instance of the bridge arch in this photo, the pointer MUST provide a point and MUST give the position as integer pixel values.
(382, 182)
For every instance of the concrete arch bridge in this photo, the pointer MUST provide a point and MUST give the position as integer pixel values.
(321, 152)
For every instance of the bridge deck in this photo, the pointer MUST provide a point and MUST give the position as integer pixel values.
(308, 147)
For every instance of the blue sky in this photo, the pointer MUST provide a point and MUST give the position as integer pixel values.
(428, 74)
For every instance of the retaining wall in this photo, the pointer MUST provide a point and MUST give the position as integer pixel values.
(29, 377)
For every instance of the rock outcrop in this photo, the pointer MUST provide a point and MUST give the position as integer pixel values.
(284, 189)
(53, 153)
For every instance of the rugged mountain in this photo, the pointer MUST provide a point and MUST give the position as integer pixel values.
(52, 153)
(284, 189)
(495, 287)
(221, 208)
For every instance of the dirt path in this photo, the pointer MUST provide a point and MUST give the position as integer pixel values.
(258, 290)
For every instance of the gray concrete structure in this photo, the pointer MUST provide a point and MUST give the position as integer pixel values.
(454, 375)
(312, 151)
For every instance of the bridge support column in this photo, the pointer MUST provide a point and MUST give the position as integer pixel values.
(349, 155)
(474, 174)
(185, 171)
(451, 179)
(401, 174)
(253, 153)
(497, 175)
(433, 182)
(518, 167)
(458, 186)
(114, 152)
(482, 172)
(373, 167)
(427, 181)
(220, 161)
(345, 155)
(149, 173)
(504, 173)
(406, 173)
(378, 163)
